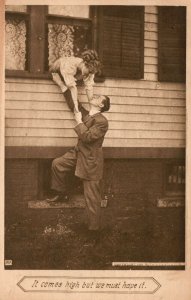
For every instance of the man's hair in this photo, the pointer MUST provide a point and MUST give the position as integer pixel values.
(106, 104)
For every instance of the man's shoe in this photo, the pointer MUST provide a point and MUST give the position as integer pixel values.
(60, 198)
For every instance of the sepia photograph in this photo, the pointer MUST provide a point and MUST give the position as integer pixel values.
(95, 137)
(95, 149)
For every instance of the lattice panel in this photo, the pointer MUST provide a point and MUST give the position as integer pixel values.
(15, 44)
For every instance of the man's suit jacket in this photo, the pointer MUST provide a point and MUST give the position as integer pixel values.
(89, 148)
(90, 139)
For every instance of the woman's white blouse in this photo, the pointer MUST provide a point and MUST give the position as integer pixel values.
(68, 69)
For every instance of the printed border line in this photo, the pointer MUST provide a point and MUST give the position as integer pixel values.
(148, 264)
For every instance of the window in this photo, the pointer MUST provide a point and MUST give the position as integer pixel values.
(16, 29)
(37, 35)
(67, 37)
(35, 38)
(172, 44)
(120, 37)
(25, 35)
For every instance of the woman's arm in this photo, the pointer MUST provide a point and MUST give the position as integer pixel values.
(56, 78)
(89, 83)
(74, 93)
(89, 93)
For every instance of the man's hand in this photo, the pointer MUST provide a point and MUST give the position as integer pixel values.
(78, 117)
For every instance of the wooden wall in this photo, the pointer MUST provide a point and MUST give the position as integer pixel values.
(144, 113)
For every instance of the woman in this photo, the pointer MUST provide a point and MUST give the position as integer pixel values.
(70, 69)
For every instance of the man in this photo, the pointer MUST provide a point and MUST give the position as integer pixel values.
(86, 159)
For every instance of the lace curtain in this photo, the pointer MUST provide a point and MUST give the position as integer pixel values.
(67, 40)
(15, 44)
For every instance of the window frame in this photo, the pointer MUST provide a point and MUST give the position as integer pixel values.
(41, 23)
(62, 20)
(23, 16)
(34, 61)
(34, 39)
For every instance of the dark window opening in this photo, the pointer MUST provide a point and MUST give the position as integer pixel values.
(172, 43)
(74, 185)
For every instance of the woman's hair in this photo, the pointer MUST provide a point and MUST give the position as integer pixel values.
(91, 60)
(106, 104)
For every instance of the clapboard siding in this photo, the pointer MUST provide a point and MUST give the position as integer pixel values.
(151, 49)
(151, 44)
(151, 52)
(151, 76)
(151, 17)
(49, 123)
(109, 83)
(114, 133)
(151, 60)
(144, 113)
(151, 26)
(66, 115)
(118, 100)
(68, 142)
(150, 9)
(150, 35)
(121, 109)
(114, 90)
(151, 69)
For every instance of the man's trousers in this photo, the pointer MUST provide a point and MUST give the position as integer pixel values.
(92, 191)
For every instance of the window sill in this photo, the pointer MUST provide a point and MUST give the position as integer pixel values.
(26, 74)
(47, 75)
